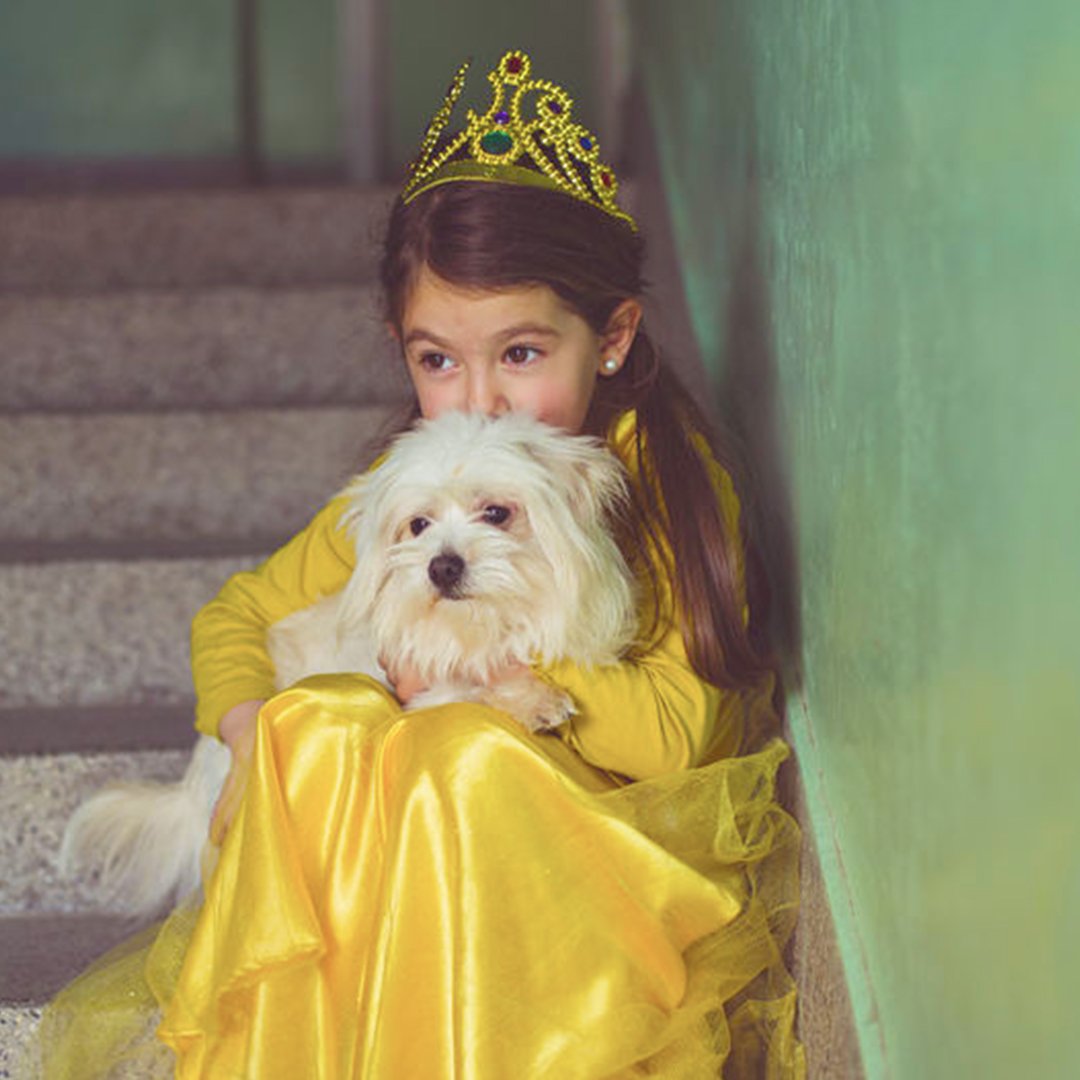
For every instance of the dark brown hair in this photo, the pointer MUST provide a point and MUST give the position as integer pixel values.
(492, 235)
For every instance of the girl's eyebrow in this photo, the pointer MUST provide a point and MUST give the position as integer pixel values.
(418, 333)
(529, 330)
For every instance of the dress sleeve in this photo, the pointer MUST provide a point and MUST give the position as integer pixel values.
(648, 716)
(654, 714)
(229, 660)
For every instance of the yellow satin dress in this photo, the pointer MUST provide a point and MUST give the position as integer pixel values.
(440, 894)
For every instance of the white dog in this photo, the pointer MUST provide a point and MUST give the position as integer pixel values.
(482, 545)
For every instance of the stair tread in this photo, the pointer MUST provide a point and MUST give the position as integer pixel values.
(38, 793)
(18, 1025)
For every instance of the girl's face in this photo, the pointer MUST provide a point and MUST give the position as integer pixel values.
(519, 349)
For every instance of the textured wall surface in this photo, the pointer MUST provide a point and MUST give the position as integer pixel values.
(878, 207)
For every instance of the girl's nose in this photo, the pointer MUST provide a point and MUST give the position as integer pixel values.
(486, 396)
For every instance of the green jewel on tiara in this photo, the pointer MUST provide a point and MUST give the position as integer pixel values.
(527, 136)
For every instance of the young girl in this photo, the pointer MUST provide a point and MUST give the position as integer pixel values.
(439, 893)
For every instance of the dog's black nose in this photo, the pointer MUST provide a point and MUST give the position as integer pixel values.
(446, 571)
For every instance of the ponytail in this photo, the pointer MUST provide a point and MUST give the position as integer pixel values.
(676, 490)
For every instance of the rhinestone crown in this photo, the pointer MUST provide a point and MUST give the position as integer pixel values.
(527, 136)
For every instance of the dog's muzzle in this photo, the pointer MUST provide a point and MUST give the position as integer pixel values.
(446, 572)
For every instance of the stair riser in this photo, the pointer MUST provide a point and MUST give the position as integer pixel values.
(43, 953)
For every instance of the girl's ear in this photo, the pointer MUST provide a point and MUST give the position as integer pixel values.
(619, 334)
(392, 330)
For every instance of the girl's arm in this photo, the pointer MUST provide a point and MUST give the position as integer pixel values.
(654, 714)
(237, 731)
(230, 664)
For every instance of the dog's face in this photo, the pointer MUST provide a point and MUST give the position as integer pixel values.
(484, 541)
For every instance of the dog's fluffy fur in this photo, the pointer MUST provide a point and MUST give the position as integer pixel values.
(482, 544)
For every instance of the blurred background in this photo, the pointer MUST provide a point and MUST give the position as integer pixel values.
(865, 217)
(254, 90)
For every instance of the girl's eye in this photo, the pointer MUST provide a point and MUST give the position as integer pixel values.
(496, 515)
(519, 355)
(434, 361)
(418, 525)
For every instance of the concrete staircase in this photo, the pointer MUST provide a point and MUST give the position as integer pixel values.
(184, 379)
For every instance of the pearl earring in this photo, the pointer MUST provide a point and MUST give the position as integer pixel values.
(611, 365)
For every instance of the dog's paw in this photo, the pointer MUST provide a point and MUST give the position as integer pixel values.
(533, 703)
(555, 711)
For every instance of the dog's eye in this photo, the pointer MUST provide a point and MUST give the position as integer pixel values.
(496, 515)
(418, 525)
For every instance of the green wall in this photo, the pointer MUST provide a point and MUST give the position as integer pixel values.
(299, 80)
(880, 203)
(428, 41)
(143, 78)
(115, 78)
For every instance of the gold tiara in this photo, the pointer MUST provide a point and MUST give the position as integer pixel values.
(527, 137)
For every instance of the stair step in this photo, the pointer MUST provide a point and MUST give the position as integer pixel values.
(163, 240)
(18, 1025)
(175, 477)
(53, 786)
(223, 348)
(100, 633)
(44, 952)
(116, 550)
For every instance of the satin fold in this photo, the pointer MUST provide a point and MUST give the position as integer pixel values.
(439, 893)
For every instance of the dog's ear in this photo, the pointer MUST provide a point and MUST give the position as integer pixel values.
(590, 477)
(573, 518)
(365, 521)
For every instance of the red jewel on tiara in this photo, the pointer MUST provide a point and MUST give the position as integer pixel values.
(513, 65)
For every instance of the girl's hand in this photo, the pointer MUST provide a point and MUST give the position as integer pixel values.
(237, 731)
(513, 670)
(407, 682)
(404, 679)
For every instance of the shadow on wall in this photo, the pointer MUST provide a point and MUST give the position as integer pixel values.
(742, 395)
(748, 389)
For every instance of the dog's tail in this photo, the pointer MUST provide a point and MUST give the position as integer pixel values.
(146, 841)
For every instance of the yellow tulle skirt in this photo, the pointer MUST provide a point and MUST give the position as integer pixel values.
(439, 894)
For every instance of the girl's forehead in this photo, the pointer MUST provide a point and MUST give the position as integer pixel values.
(434, 298)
